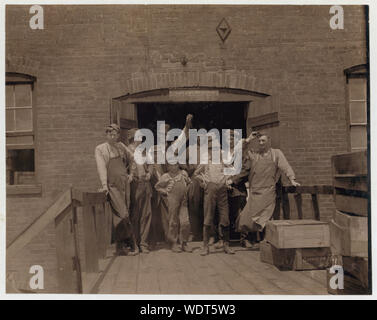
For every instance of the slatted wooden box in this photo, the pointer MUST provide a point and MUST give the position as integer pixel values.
(358, 268)
(289, 234)
(349, 235)
(350, 180)
(295, 259)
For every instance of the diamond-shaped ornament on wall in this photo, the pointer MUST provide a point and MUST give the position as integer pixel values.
(223, 29)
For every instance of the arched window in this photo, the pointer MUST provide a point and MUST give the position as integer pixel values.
(20, 133)
(357, 100)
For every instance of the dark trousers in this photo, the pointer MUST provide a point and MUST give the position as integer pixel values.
(178, 220)
(216, 196)
(195, 208)
(236, 204)
(141, 210)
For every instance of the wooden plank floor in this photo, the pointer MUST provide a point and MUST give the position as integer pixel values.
(164, 272)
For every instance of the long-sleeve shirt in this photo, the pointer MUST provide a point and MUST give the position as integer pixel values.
(104, 152)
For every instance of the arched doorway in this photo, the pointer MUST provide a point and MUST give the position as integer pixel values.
(221, 108)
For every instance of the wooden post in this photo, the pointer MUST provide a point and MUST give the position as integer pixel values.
(315, 206)
(77, 249)
(286, 207)
(279, 190)
(100, 220)
(298, 199)
(69, 271)
(109, 223)
(90, 235)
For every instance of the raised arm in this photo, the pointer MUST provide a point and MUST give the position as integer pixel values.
(182, 138)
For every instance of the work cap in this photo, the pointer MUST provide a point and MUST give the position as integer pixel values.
(112, 127)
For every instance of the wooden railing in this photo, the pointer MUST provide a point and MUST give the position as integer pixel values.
(96, 217)
(282, 200)
(96, 226)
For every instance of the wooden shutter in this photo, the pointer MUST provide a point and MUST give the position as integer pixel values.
(125, 115)
(263, 116)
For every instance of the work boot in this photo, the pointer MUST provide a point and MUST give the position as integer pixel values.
(225, 235)
(135, 252)
(120, 249)
(186, 247)
(219, 244)
(245, 242)
(205, 249)
(144, 249)
(227, 249)
(175, 248)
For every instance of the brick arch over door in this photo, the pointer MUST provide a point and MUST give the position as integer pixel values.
(231, 86)
(191, 79)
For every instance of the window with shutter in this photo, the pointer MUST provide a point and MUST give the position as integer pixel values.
(357, 101)
(20, 144)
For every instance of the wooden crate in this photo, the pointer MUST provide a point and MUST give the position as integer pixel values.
(295, 259)
(289, 234)
(350, 204)
(350, 181)
(346, 240)
(351, 163)
(357, 267)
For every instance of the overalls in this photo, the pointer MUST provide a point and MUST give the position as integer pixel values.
(141, 213)
(179, 224)
(195, 197)
(118, 183)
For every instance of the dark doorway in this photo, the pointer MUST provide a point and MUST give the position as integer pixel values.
(207, 115)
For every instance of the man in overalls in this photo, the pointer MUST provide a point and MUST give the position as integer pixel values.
(263, 171)
(141, 194)
(113, 159)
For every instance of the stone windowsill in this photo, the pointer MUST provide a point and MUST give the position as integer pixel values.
(24, 190)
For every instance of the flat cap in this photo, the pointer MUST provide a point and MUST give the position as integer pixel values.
(112, 127)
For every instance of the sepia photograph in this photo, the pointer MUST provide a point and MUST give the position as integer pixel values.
(187, 149)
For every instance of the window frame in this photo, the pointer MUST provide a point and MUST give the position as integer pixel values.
(15, 78)
(357, 72)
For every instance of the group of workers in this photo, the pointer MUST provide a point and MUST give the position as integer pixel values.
(191, 202)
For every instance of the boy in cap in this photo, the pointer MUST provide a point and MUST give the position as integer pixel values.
(173, 186)
(113, 160)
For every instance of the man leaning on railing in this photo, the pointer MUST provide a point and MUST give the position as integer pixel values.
(262, 168)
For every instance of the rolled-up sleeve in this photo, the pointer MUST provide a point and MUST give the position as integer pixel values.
(283, 165)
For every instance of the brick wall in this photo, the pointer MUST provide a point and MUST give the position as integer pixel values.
(87, 55)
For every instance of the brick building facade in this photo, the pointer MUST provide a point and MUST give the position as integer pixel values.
(286, 60)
